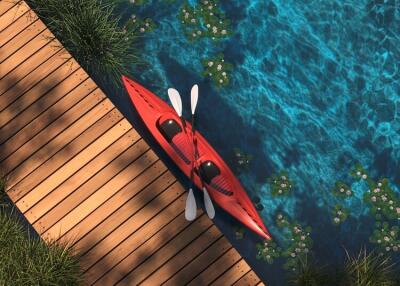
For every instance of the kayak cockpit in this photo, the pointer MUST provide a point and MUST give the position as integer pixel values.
(210, 172)
(169, 129)
(212, 176)
(173, 133)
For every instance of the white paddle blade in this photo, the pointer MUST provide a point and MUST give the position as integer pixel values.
(208, 203)
(191, 209)
(194, 97)
(176, 100)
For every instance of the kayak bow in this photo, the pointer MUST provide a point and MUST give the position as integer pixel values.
(222, 185)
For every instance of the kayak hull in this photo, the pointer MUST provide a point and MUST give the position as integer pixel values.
(224, 189)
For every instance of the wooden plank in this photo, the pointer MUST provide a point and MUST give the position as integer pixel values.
(26, 185)
(76, 174)
(55, 179)
(108, 272)
(250, 279)
(28, 98)
(91, 185)
(28, 37)
(31, 65)
(16, 156)
(153, 234)
(81, 186)
(62, 148)
(27, 51)
(139, 199)
(233, 274)
(122, 224)
(81, 176)
(124, 198)
(195, 248)
(17, 26)
(199, 263)
(5, 5)
(12, 14)
(101, 195)
(37, 72)
(216, 268)
(107, 191)
(155, 260)
(47, 108)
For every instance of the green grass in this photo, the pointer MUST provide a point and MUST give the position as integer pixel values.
(369, 269)
(25, 260)
(363, 269)
(91, 32)
(311, 274)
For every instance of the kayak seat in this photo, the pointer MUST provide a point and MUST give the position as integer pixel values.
(180, 144)
(221, 185)
(174, 134)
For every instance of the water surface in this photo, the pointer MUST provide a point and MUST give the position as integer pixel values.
(315, 89)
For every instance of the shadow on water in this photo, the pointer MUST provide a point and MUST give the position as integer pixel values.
(213, 119)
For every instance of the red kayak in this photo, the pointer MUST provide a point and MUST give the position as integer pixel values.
(224, 188)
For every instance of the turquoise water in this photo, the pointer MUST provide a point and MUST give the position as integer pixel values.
(315, 89)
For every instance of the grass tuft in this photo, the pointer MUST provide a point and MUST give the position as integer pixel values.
(311, 274)
(369, 269)
(29, 261)
(91, 32)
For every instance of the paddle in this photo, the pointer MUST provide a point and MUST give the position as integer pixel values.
(176, 101)
(190, 208)
(194, 97)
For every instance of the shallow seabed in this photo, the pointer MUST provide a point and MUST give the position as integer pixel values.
(315, 89)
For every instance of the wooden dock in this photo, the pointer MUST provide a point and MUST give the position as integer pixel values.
(79, 172)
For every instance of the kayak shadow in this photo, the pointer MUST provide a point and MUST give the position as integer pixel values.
(213, 116)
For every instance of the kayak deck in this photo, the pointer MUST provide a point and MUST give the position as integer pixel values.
(176, 138)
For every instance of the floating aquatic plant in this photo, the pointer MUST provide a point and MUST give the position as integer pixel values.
(383, 200)
(339, 214)
(239, 232)
(280, 184)
(386, 237)
(140, 25)
(268, 251)
(204, 20)
(299, 242)
(341, 190)
(384, 206)
(217, 69)
(242, 160)
(360, 173)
